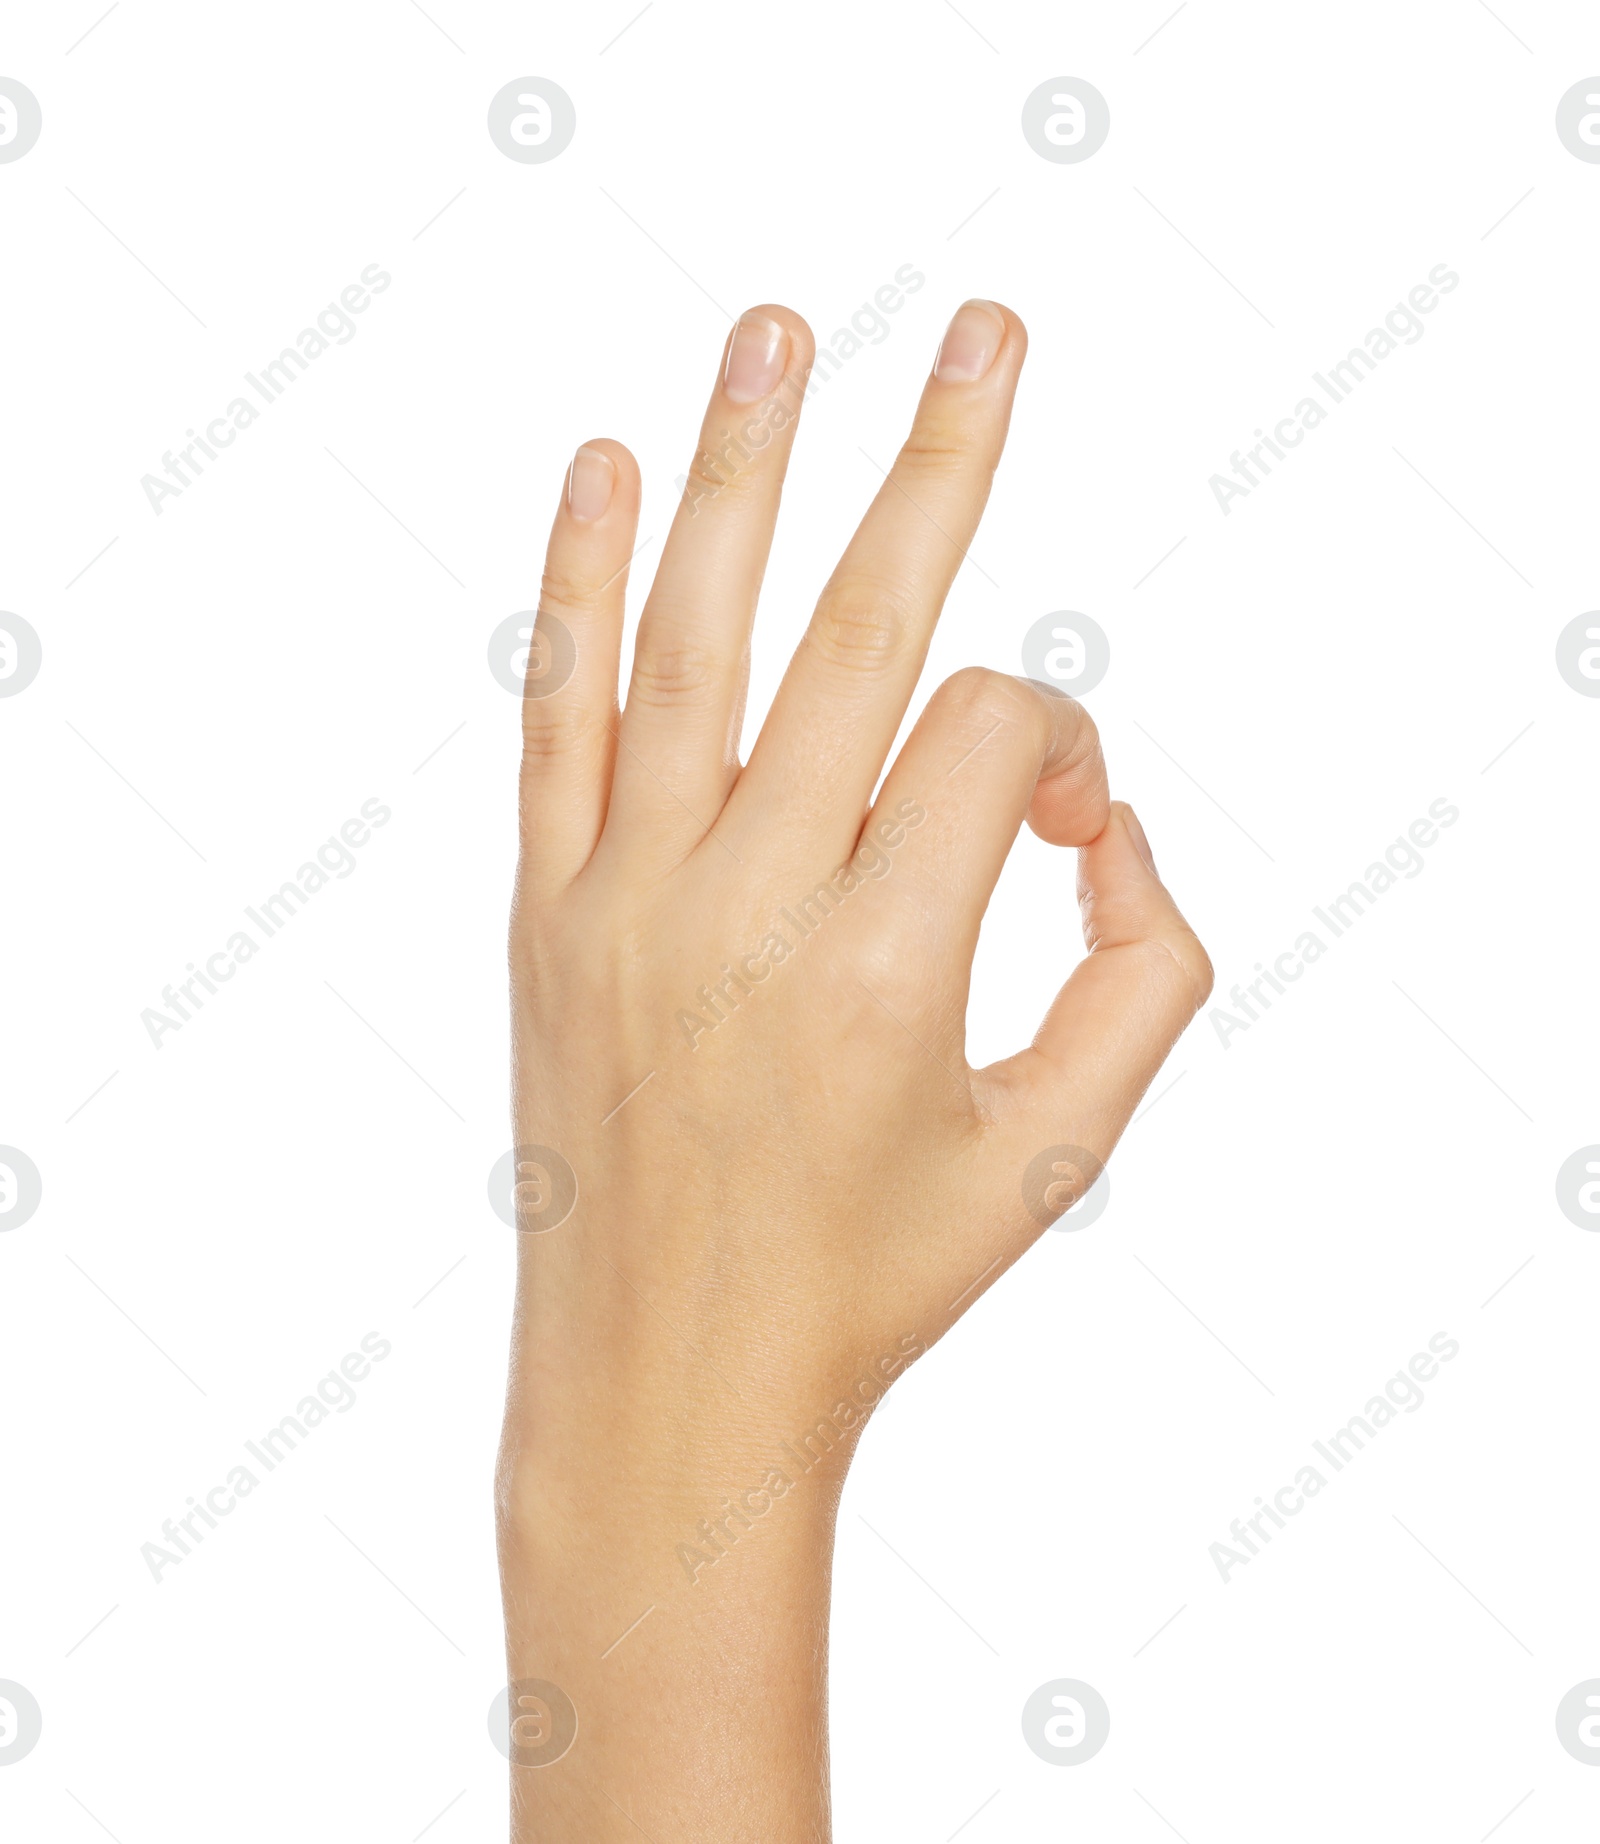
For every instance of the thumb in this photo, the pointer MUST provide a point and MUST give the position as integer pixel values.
(1114, 1022)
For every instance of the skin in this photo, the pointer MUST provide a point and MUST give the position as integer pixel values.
(810, 1188)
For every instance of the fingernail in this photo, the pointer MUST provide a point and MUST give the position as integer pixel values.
(970, 342)
(591, 481)
(756, 357)
(1130, 819)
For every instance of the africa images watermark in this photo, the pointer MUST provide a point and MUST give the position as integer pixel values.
(335, 859)
(1401, 324)
(1403, 859)
(869, 863)
(333, 325)
(1403, 1391)
(714, 469)
(715, 1536)
(335, 1394)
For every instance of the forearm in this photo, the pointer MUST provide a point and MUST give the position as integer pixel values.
(675, 1587)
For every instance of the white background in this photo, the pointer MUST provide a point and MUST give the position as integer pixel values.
(307, 1158)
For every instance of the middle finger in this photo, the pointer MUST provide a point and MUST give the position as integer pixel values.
(832, 724)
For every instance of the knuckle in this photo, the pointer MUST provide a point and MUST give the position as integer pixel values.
(730, 473)
(1067, 712)
(1078, 734)
(671, 673)
(1181, 966)
(859, 625)
(896, 979)
(979, 694)
(553, 730)
(562, 593)
(1198, 963)
(936, 445)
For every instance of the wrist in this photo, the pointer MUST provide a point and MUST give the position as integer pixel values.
(659, 1509)
(689, 1636)
(650, 1430)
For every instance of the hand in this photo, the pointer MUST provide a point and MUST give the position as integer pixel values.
(739, 998)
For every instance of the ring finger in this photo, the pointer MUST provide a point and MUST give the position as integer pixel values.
(680, 726)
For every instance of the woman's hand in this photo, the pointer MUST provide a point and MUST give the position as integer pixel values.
(740, 999)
